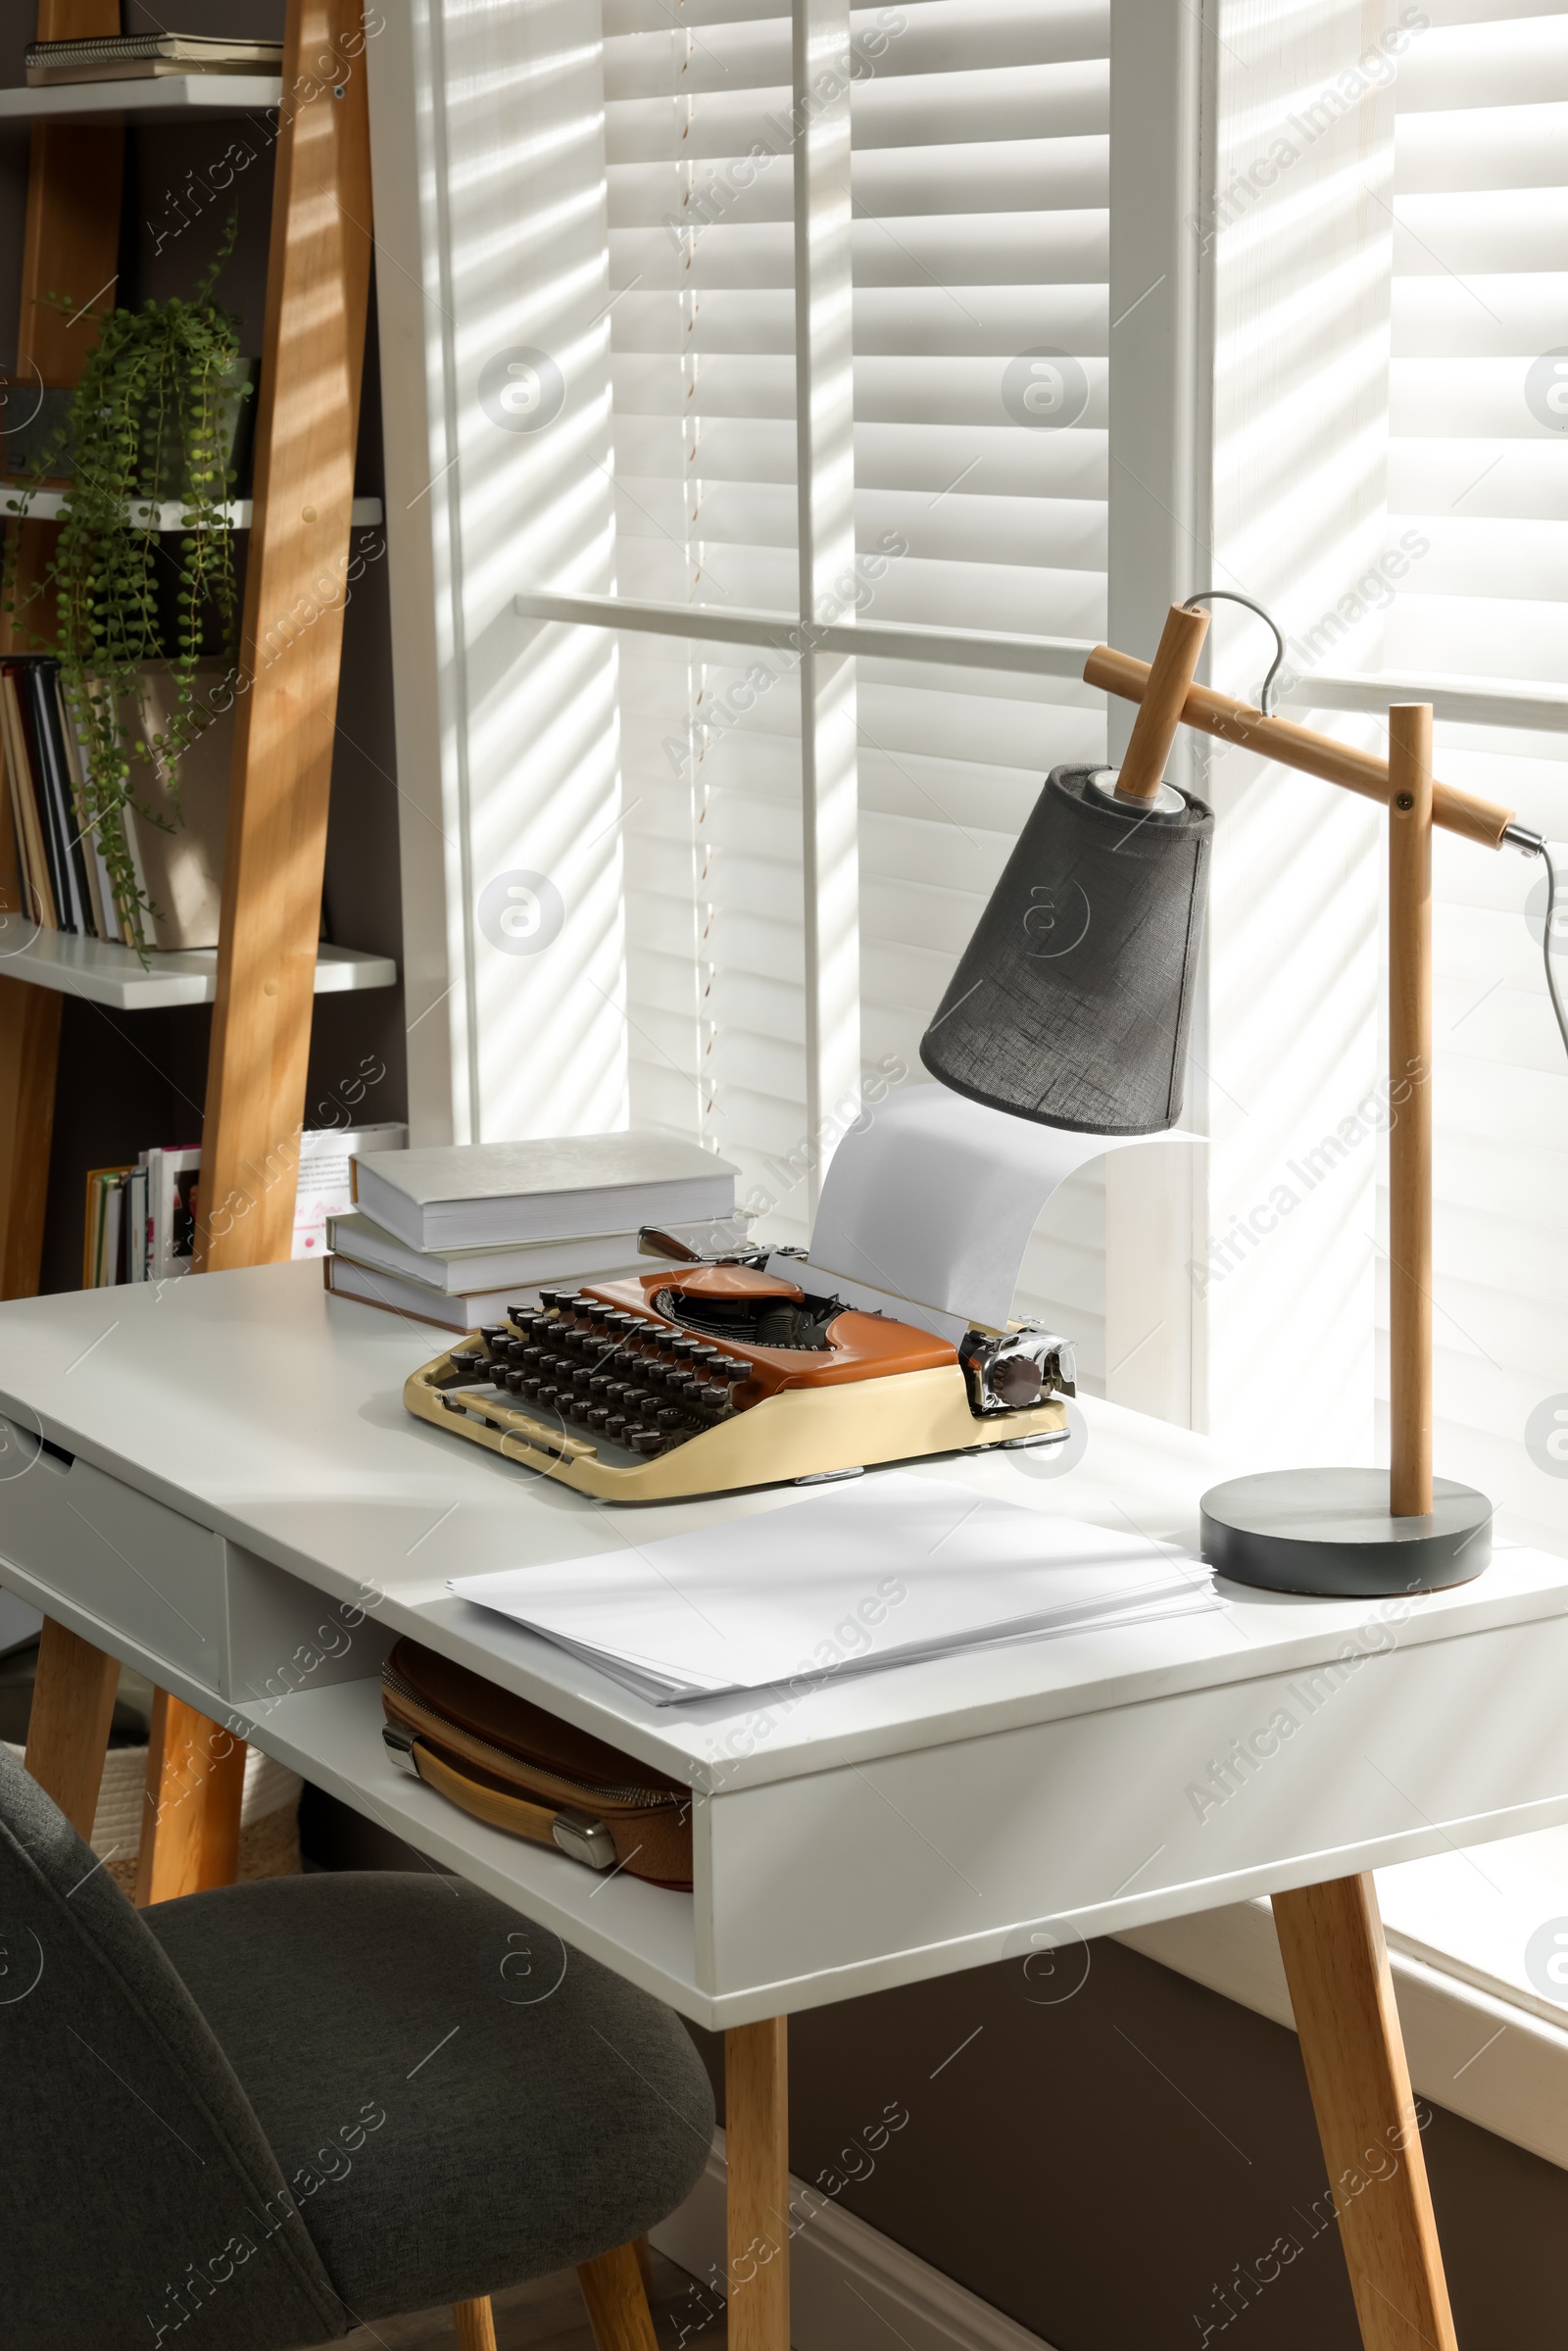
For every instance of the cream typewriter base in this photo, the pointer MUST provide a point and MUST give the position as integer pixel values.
(803, 1433)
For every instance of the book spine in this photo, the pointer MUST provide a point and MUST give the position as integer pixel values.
(14, 882)
(94, 871)
(90, 50)
(50, 815)
(44, 679)
(38, 874)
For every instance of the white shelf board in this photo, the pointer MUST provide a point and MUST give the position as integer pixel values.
(333, 1737)
(105, 974)
(171, 98)
(43, 505)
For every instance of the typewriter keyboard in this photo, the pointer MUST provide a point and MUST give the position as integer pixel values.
(641, 1384)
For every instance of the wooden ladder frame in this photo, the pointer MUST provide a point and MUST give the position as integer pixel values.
(285, 686)
(291, 636)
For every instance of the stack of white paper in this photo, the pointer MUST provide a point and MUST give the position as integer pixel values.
(878, 1573)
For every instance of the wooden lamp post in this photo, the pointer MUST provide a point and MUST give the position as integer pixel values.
(1338, 1530)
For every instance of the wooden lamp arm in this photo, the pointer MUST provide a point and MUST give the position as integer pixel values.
(1292, 746)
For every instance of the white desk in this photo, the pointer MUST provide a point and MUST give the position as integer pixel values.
(232, 1469)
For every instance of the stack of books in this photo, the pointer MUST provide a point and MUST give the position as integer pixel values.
(454, 1236)
(146, 57)
(142, 1221)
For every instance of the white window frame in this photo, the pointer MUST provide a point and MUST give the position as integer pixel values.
(1163, 86)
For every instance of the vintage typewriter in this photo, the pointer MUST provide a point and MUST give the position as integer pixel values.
(726, 1371)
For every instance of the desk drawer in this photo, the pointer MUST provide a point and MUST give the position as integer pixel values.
(135, 1564)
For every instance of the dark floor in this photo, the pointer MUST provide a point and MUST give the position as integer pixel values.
(549, 2315)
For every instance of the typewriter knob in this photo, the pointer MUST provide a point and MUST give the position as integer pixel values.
(1016, 1380)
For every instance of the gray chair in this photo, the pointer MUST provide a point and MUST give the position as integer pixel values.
(253, 2118)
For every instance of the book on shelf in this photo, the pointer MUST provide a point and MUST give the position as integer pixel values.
(176, 842)
(478, 1194)
(108, 1234)
(326, 1185)
(142, 1221)
(27, 839)
(26, 811)
(146, 56)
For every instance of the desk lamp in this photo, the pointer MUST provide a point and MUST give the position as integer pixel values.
(1071, 1005)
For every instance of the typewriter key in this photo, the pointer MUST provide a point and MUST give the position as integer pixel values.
(646, 1440)
(614, 1424)
(596, 1416)
(668, 1418)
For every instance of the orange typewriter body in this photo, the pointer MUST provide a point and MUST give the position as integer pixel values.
(705, 1378)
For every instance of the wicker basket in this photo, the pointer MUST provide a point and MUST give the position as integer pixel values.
(270, 1818)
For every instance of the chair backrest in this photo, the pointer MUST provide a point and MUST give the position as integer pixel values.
(143, 2204)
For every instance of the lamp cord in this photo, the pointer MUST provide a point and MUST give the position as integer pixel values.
(1265, 699)
(1266, 703)
(1546, 945)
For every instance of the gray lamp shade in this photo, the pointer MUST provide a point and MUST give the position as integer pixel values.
(1072, 1001)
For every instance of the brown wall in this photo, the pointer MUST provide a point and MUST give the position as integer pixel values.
(1103, 2168)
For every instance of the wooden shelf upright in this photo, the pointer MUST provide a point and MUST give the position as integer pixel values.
(317, 291)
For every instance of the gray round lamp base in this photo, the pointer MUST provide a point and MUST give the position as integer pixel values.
(1328, 1531)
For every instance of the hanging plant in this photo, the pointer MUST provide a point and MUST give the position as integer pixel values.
(151, 422)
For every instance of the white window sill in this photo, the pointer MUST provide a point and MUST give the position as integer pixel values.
(1483, 2040)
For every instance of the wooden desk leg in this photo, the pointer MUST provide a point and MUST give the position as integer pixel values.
(618, 2306)
(757, 2142)
(475, 2325)
(1336, 1967)
(67, 1729)
(190, 1823)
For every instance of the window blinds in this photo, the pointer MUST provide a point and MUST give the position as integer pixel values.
(980, 269)
(1479, 469)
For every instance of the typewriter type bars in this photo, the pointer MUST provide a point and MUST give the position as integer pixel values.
(712, 1377)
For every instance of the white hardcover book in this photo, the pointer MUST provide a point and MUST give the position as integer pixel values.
(420, 1302)
(479, 1194)
(469, 1272)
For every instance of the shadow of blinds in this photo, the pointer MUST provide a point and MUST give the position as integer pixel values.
(980, 276)
(1479, 469)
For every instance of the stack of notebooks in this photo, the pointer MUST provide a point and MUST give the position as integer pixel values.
(894, 1570)
(146, 57)
(142, 1221)
(452, 1236)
